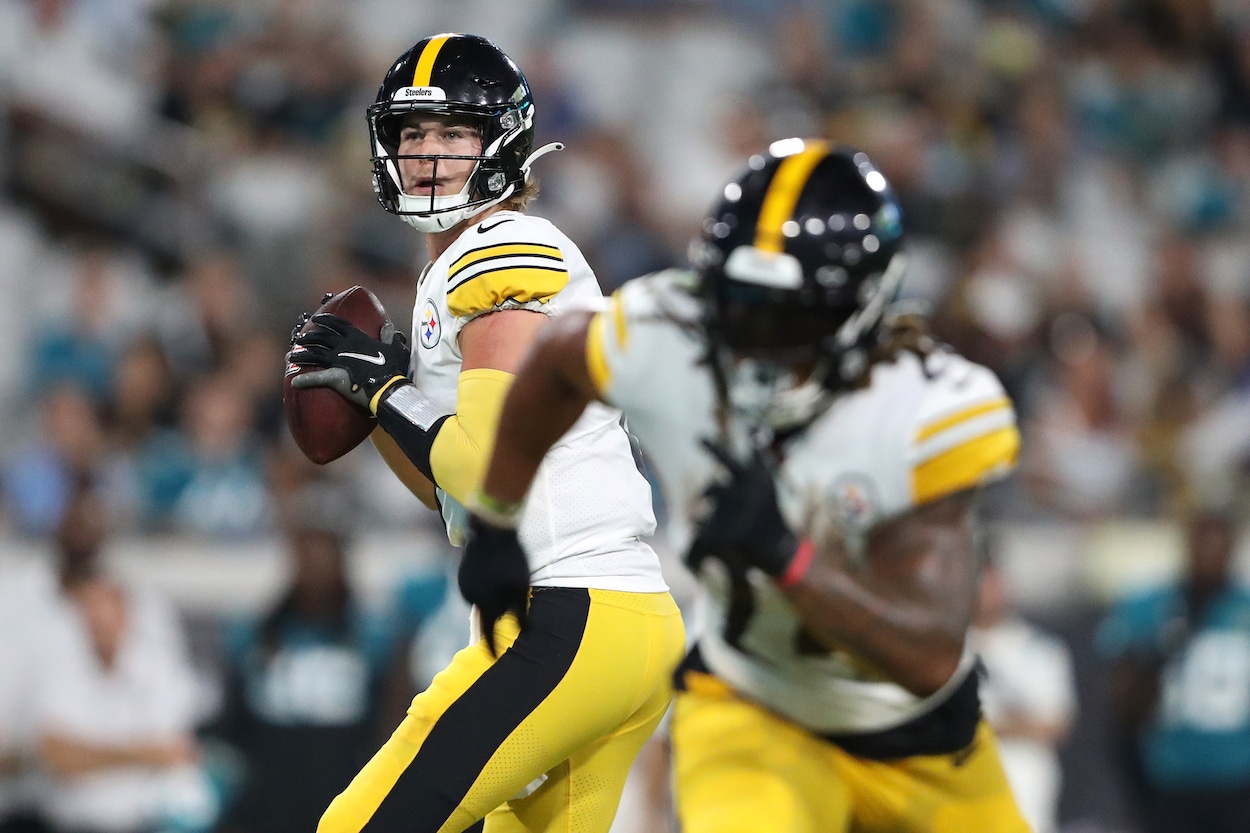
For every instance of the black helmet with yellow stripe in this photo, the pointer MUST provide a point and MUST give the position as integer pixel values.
(798, 261)
(465, 76)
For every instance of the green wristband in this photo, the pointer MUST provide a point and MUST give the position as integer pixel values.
(494, 511)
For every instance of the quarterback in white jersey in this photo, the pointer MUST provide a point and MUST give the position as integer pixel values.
(534, 726)
(820, 456)
(590, 506)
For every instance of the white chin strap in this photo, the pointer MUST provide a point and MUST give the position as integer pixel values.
(441, 213)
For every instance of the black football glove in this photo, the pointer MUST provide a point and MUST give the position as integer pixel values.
(303, 319)
(494, 575)
(744, 523)
(351, 362)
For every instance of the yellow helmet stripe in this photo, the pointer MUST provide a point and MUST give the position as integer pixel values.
(783, 193)
(425, 64)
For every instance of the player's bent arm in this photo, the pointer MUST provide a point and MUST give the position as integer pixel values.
(907, 610)
(403, 468)
(553, 387)
(451, 450)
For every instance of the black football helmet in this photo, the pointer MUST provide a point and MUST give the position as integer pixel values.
(460, 75)
(797, 263)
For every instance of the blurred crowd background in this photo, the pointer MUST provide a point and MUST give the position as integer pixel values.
(179, 179)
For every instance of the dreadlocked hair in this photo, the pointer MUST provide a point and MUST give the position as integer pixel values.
(902, 331)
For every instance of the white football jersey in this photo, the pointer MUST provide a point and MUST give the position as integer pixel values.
(589, 506)
(917, 432)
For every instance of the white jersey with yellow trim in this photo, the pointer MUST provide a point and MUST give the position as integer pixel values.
(919, 431)
(589, 506)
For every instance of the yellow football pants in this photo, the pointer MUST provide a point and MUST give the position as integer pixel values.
(739, 768)
(573, 698)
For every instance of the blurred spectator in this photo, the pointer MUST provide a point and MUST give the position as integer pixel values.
(207, 477)
(40, 476)
(206, 312)
(24, 599)
(1180, 689)
(304, 683)
(1081, 457)
(250, 361)
(1028, 694)
(143, 396)
(113, 699)
(50, 46)
(77, 349)
(625, 242)
(430, 613)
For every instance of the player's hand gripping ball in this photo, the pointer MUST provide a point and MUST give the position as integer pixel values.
(325, 424)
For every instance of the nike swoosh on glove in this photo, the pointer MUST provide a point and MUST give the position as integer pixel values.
(356, 365)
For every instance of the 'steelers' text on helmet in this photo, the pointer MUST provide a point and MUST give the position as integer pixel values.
(798, 261)
(464, 76)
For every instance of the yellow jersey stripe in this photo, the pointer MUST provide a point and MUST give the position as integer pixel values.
(618, 320)
(488, 290)
(783, 193)
(425, 64)
(966, 465)
(502, 250)
(697, 682)
(596, 360)
(938, 426)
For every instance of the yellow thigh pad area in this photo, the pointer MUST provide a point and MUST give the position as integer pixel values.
(739, 768)
(573, 698)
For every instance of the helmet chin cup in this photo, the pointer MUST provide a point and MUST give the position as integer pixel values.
(447, 211)
(441, 213)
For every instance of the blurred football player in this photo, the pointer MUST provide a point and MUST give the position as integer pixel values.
(832, 452)
(543, 715)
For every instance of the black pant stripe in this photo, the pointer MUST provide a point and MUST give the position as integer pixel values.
(473, 727)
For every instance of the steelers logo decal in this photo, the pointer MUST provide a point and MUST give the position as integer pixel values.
(855, 501)
(429, 330)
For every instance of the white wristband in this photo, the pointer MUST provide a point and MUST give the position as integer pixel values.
(414, 406)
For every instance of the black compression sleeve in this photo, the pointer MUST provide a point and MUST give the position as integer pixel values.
(415, 442)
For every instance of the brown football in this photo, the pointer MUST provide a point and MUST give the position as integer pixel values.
(325, 425)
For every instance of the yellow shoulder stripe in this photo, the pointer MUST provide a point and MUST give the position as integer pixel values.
(965, 465)
(940, 425)
(596, 361)
(488, 290)
(618, 320)
(503, 250)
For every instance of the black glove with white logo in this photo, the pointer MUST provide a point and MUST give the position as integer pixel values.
(356, 365)
(744, 524)
(494, 575)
